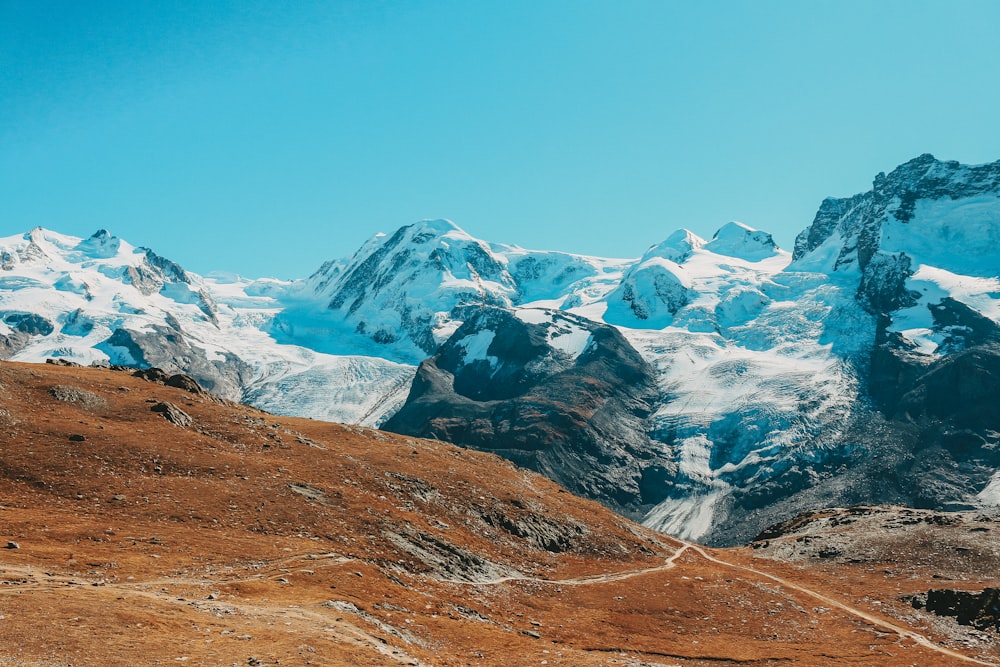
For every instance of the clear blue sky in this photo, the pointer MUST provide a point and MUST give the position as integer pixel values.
(266, 137)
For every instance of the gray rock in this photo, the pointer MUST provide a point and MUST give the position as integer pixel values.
(173, 414)
(81, 397)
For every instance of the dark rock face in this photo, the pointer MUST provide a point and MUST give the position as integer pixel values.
(979, 609)
(926, 429)
(24, 326)
(30, 324)
(165, 347)
(579, 420)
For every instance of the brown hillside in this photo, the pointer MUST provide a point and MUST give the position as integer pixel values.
(248, 539)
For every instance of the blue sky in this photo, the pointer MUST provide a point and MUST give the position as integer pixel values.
(263, 139)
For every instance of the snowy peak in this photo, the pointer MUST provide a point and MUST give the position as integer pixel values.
(413, 284)
(927, 232)
(734, 239)
(650, 294)
(102, 245)
(677, 247)
(846, 233)
(684, 280)
(89, 299)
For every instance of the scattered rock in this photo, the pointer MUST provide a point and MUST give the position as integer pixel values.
(980, 609)
(152, 374)
(12, 545)
(81, 397)
(77, 437)
(61, 362)
(173, 414)
(185, 382)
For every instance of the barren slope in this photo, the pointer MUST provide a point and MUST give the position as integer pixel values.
(243, 538)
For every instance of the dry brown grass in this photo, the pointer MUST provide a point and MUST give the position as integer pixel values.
(246, 538)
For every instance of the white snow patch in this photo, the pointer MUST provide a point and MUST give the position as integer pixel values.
(991, 494)
(960, 236)
(688, 518)
(735, 239)
(533, 315)
(477, 347)
(572, 340)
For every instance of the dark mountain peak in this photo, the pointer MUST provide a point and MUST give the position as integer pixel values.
(558, 394)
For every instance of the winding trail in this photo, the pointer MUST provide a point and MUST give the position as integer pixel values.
(874, 620)
(671, 562)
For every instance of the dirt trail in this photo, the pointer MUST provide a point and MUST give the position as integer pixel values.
(671, 562)
(874, 620)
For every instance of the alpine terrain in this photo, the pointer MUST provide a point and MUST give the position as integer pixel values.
(709, 388)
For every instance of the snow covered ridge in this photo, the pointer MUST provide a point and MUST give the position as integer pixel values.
(775, 370)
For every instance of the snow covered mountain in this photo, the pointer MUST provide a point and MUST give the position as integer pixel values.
(101, 300)
(863, 367)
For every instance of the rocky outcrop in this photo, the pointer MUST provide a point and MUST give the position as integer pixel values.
(82, 397)
(980, 609)
(23, 327)
(166, 347)
(173, 414)
(575, 413)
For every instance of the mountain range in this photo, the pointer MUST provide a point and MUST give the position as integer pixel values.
(709, 388)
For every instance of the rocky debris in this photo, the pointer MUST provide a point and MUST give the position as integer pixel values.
(310, 492)
(980, 609)
(950, 544)
(345, 607)
(447, 560)
(152, 374)
(62, 362)
(12, 545)
(173, 414)
(541, 531)
(77, 437)
(81, 397)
